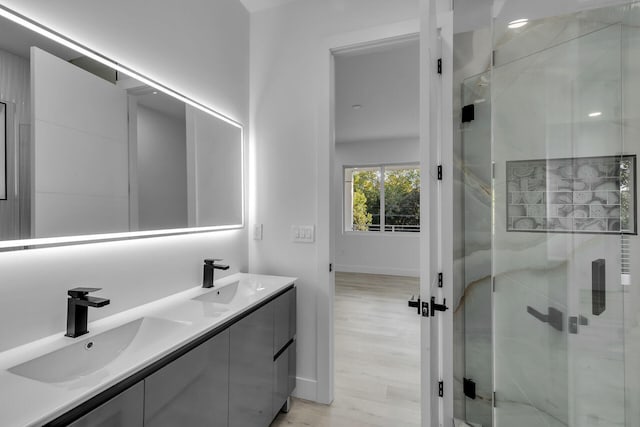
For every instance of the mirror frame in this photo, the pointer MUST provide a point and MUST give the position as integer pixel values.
(55, 36)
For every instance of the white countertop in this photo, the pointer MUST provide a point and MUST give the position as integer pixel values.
(27, 402)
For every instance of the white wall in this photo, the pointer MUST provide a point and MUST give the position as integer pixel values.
(161, 171)
(289, 119)
(209, 59)
(376, 253)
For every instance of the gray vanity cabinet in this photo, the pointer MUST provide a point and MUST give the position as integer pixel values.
(262, 366)
(192, 390)
(241, 377)
(124, 410)
(251, 370)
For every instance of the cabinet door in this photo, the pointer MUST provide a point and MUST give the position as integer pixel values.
(282, 320)
(251, 370)
(124, 410)
(192, 390)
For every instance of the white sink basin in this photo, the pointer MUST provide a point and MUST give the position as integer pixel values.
(222, 295)
(91, 354)
(234, 294)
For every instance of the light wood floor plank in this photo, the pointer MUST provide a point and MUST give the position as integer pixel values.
(377, 357)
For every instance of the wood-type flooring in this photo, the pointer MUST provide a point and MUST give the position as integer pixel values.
(377, 357)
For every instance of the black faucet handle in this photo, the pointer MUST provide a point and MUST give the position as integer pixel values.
(211, 261)
(81, 292)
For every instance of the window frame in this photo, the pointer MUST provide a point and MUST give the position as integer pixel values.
(347, 211)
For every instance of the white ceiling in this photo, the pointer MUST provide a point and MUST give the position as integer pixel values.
(385, 82)
(471, 15)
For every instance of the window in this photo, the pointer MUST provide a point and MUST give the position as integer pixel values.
(382, 198)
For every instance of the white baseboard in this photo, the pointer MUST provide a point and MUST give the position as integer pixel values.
(306, 389)
(411, 272)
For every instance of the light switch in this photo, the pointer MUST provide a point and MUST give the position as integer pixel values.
(257, 232)
(303, 233)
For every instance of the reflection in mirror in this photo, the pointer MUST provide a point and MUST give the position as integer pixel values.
(93, 151)
(158, 172)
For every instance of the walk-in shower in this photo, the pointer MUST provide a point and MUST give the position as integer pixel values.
(548, 138)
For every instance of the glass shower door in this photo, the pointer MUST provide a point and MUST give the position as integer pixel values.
(475, 153)
(562, 188)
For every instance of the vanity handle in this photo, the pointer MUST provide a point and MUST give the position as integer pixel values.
(598, 287)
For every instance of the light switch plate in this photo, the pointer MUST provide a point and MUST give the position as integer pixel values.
(257, 232)
(303, 233)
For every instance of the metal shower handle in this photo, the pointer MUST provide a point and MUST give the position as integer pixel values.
(553, 317)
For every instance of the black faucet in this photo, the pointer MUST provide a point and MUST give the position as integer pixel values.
(77, 308)
(209, 266)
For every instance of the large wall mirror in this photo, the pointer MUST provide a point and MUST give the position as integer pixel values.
(96, 151)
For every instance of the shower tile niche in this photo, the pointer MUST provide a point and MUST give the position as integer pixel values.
(572, 195)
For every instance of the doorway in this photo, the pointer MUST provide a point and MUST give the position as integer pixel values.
(376, 194)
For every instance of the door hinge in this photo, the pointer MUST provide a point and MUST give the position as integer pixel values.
(439, 65)
(469, 388)
(440, 280)
(493, 400)
(439, 172)
(441, 388)
(493, 170)
(468, 113)
(493, 283)
(438, 307)
(330, 267)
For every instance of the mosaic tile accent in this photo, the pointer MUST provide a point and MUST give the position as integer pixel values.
(575, 195)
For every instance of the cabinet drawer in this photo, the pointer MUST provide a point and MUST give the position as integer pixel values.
(284, 319)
